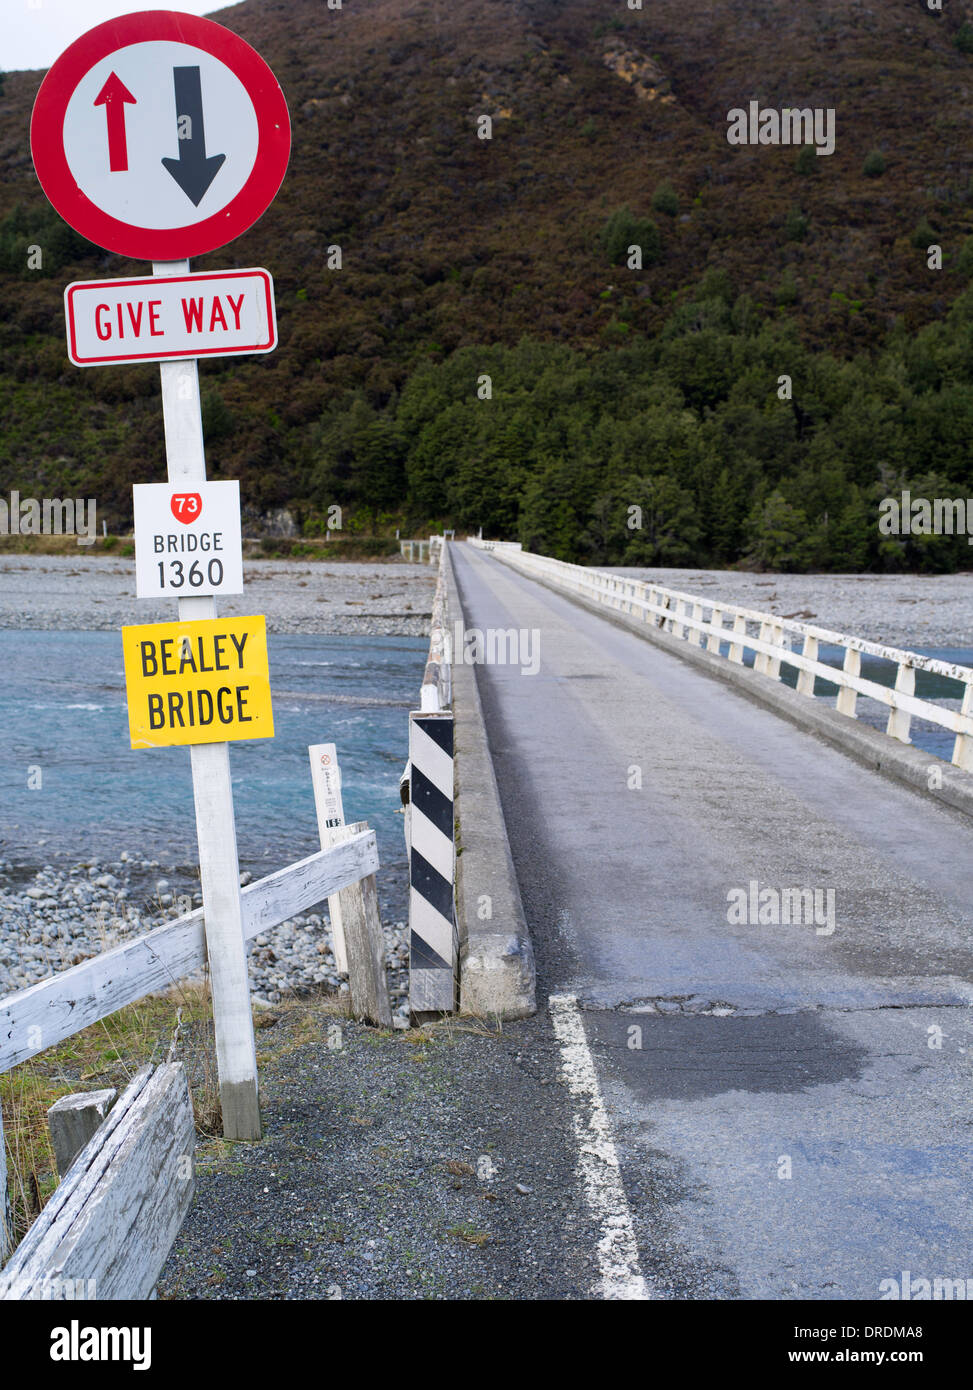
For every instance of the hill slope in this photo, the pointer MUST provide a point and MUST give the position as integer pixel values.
(451, 242)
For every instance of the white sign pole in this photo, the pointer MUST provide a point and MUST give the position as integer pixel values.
(219, 864)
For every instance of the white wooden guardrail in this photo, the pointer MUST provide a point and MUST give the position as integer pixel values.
(44, 1014)
(36, 1018)
(108, 1228)
(772, 639)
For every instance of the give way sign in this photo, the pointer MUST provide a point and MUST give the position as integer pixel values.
(160, 135)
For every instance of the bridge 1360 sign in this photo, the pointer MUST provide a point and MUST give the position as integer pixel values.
(187, 540)
(160, 136)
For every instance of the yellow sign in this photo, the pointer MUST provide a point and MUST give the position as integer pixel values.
(197, 682)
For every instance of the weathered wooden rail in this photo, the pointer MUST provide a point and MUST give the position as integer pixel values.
(698, 620)
(36, 1018)
(44, 1014)
(107, 1230)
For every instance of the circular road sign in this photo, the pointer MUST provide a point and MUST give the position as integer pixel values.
(160, 135)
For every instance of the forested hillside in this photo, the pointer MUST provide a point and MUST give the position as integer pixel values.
(463, 259)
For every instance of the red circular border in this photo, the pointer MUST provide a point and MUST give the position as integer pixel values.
(169, 243)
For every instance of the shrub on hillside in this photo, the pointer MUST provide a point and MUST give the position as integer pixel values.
(665, 200)
(622, 230)
(807, 160)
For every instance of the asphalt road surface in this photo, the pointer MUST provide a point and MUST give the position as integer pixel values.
(789, 1103)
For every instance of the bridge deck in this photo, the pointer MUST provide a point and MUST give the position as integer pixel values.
(818, 1049)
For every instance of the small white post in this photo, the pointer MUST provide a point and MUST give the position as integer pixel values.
(739, 630)
(773, 662)
(805, 679)
(848, 698)
(73, 1120)
(365, 940)
(716, 623)
(693, 634)
(760, 660)
(963, 746)
(326, 781)
(900, 720)
(219, 861)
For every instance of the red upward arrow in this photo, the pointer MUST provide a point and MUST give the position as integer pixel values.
(113, 96)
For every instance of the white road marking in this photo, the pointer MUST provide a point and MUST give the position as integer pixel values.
(598, 1167)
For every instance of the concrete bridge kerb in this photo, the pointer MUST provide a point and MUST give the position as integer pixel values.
(497, 973)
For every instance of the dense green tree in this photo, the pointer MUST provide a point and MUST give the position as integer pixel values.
(622, 230)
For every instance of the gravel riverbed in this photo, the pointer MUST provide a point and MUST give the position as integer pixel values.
(97, 593)
(54, 918)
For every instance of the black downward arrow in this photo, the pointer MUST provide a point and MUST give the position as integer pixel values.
(193, 171)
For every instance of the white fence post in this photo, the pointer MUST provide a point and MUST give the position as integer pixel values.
(848, 698)
(773, 662)
(963, 744)
(716, 621)
(761, 662)
(42, 1015)
(694, 634)
(326, 781)
(805, 679)
(736, 648)
(900, 720)
(73, 1120)
(365, 944)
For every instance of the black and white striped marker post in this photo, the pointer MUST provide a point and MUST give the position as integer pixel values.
(432, 924)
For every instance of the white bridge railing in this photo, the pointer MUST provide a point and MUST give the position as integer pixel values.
(436, 691)
(775, 641)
